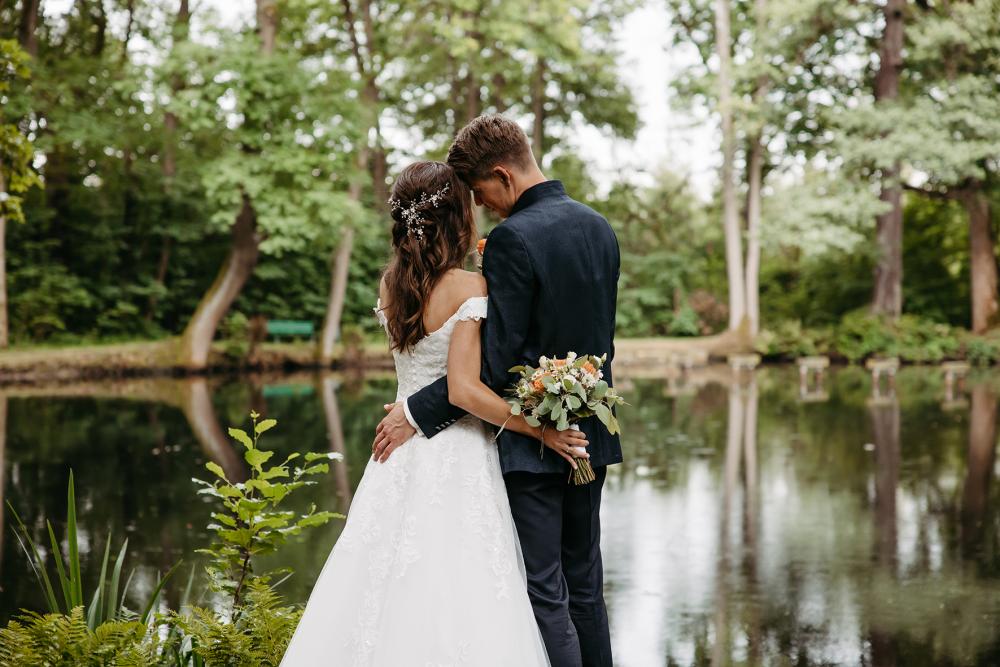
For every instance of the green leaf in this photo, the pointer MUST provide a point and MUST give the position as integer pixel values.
(216, 469)
(532, 420)
(256, 457)
(116, 574)
(224, 518)
(515, 408)
(144, 618)
(603, 413)
(600, 389)
(238, 536)
(517, 369)
(60, 570)
(241, 436)
(330, 456)
(277, 471)
(265, 425)
(75, 579)
(573, 403)
(317, 519)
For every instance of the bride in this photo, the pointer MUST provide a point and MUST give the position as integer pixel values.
(428, 570)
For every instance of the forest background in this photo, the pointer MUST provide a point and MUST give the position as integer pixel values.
(172, 170)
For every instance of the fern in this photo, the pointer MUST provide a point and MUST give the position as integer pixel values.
(258, 636)
(43, 640)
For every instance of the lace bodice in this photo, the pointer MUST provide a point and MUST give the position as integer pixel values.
(428, 359)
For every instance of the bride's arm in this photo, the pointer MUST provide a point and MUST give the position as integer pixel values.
(467, 391)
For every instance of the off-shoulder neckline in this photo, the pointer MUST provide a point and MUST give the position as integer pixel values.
(378, 307)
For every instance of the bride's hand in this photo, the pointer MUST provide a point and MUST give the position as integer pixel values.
(567, 444)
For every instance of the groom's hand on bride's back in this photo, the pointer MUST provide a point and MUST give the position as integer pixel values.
(392, 431)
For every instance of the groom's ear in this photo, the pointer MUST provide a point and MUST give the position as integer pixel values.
(503, 176)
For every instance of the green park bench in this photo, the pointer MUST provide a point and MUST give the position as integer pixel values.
(290, 328)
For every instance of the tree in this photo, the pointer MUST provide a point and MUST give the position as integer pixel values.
(279, 120)
(950, 131)
(360, 32)
(730, 213)
(887, 295)
(16, 174)
(779, 78)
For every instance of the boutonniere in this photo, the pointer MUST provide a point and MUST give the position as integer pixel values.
(480, 249)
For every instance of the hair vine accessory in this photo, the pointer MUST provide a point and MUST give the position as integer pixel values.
(411, 214)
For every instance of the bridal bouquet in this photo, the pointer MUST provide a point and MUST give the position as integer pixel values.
(561, 392)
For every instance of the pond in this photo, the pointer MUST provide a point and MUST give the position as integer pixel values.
(755, 521)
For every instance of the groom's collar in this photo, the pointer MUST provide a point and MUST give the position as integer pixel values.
(537, 192)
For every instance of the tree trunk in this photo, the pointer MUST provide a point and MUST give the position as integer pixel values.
(196, 342)
(538, 111)
(27, 34)
(730, 215)
(267, 25)
(338, 294)
(130, 9)
(983, 259)
(100, 28)
(887, 296)
(4, 322)
(341, 261)
(755, 183)
(472, 96)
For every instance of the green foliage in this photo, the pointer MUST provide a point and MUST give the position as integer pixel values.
(257, 636)
(255, 631)
(667, 254)
(66, 639)
(249, 524)
(860, 335)
(235, 334)
(789, 339)
(16, 151)
(105, 603)
(982, 350)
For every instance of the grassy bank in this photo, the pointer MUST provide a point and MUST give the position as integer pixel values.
(74, 362)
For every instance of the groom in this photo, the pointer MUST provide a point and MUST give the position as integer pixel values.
(551, 269)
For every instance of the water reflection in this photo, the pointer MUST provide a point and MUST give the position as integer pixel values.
(751, 524)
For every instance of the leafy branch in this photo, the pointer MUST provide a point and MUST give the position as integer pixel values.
(250, 523)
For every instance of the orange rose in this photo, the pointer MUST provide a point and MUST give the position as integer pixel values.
(481, 246)
(589, 367)
(537, 384)
(560, 362)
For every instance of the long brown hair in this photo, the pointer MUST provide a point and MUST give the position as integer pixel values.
(447, 232)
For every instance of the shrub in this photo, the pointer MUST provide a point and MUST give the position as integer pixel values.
(789, 339)
(65, 639)
(982, 350)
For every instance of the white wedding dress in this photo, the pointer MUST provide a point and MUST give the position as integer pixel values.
(428, 571)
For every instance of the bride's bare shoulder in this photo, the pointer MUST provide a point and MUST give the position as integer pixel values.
(458, 286)
(455, 288)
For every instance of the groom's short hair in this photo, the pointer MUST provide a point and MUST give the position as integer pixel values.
(484, 143)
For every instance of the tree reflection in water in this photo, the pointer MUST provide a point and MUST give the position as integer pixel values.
(748, 525)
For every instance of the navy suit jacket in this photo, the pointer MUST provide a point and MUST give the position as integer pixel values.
(551, 271)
